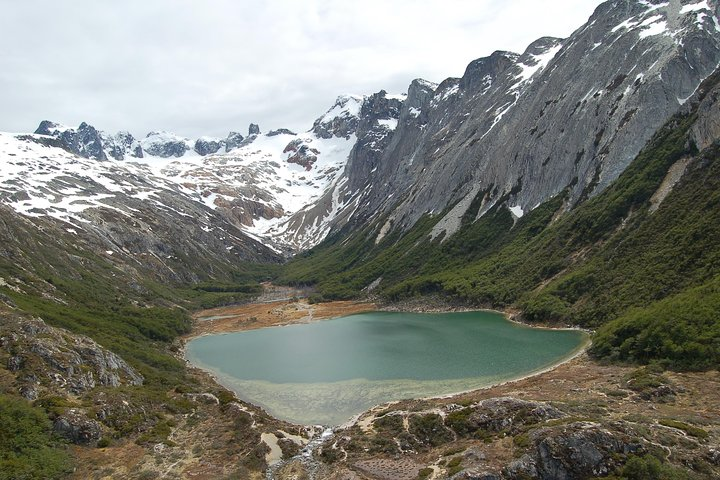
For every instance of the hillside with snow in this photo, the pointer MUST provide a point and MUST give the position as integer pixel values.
(256, 183)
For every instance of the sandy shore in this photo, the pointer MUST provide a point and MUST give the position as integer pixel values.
(252, 316)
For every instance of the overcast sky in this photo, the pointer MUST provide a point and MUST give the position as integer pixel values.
(206, 67)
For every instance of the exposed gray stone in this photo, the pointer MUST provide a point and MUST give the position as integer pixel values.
(84, 141)
(519, 139)
(233, 140)
(62, 360)
(205, 146)
(577, 450)
(166, 149)
(280, 131)
(77, 428)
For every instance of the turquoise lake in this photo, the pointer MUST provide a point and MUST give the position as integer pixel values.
(326, 372)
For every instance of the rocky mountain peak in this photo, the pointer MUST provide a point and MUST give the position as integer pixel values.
(84, 141)
(50, 128)
(165, 144)
(483, 70)
(541, 46)
(208, 145)
(381, 106)
(233, 140)
(342, 118)
(254, 129)
(504, 127)
(121, 145)
(280, 131)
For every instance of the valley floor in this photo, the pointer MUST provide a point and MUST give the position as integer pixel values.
(675, 414)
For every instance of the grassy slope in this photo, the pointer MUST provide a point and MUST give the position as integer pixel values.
(607, 262)
(68, 285)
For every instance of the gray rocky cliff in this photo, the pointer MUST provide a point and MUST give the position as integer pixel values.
(85, 141)
(233, 140)
(206, 146)
(373, 120)
(161, 144)
(341, 120)
(706, 128)
(519, 129)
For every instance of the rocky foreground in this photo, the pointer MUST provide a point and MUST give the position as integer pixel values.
(580, 420)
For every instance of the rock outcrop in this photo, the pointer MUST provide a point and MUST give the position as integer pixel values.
(85, 141)
(207, 145)
(165, 145)
(233, 140)
(51, 359)
(77, 428)
(577, 450)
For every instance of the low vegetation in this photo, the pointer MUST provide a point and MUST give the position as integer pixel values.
(28, 448)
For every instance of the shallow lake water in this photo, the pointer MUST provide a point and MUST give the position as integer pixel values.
(328, 371)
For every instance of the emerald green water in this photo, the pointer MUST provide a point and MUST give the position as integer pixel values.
(326, 372)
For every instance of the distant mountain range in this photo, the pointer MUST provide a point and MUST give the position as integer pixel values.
(519, 127)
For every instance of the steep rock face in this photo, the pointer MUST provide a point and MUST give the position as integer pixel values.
(707, 126)
(121, 146)
(341, 120)
(84, 141)
(565, 114)
(207, 145)
(165, 145)
(372, 120)
(233, 140)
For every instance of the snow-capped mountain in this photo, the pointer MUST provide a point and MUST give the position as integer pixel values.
(120, 210)
(515, 130)
(255, 183)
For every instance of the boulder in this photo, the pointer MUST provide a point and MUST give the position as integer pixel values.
(77, 428)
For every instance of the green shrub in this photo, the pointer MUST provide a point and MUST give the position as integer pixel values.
(689, 429)
(27, 446)
(650, 468)
(425, 473)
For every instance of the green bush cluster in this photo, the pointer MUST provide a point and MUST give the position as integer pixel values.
(649, 467)
(28, 449)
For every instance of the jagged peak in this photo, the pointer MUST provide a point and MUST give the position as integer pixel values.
(541, 46)
(48, 127)
(422, 83)
(479, 70)
(280, 131)
(164, 135)
(341, 119)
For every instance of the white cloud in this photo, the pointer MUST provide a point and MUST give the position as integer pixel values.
(209, 67)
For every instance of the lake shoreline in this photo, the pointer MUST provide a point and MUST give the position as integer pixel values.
(253, 316)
